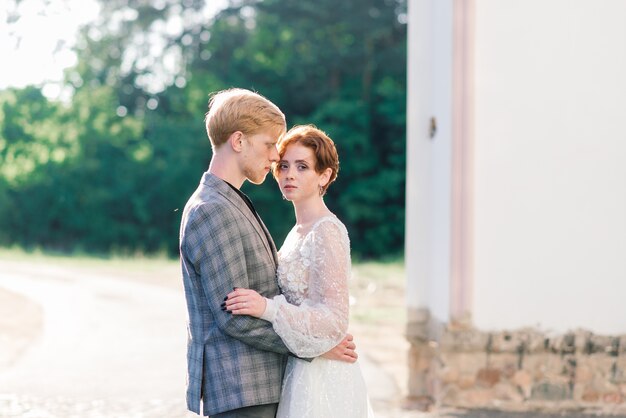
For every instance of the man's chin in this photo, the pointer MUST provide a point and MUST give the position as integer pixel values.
(257, 180)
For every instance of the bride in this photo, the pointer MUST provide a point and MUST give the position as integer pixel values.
(311, 316)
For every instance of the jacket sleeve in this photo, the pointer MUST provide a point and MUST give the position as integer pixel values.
(320, 322)
(214, 244)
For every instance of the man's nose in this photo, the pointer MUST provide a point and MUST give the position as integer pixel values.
(274, 157)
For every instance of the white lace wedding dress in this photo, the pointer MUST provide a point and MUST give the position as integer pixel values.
(311, 317)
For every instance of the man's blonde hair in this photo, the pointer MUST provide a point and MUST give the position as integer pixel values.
(242, 110)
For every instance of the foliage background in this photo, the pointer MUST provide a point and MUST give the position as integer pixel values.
(111, 170)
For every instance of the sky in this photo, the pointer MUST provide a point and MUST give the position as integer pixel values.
(37, 47)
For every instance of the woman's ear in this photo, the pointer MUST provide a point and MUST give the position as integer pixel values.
(325, 176)
(235, 140)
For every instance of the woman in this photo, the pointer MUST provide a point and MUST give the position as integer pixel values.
(311, 316)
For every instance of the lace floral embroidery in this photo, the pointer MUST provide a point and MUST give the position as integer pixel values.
(313, 272)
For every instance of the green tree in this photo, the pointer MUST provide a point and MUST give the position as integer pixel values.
(341, 66)
(35, 139)
(114, 167)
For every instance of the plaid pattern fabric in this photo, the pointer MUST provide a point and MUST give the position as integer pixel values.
(233, 361)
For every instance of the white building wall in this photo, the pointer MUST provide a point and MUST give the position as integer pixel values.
(550, 165)
(428, 159)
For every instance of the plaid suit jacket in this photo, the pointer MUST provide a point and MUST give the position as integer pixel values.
(232, 361)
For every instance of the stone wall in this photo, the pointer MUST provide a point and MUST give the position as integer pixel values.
(524, 369)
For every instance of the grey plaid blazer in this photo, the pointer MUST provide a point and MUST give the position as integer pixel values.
(232, 361)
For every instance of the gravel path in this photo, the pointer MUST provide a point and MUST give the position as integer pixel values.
(110, 346)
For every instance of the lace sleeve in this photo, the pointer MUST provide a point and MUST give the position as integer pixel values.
(320, 322)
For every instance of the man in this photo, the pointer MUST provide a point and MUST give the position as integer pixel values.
(235, 363)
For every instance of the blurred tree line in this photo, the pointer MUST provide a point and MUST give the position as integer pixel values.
(111, 170)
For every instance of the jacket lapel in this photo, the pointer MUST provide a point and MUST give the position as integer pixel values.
(271, 242)
(226, 191)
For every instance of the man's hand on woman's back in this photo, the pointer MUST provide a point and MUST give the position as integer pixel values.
(344, 351)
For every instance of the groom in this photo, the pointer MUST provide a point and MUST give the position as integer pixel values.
(235, 364)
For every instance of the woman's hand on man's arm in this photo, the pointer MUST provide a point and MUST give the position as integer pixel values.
(244, 302)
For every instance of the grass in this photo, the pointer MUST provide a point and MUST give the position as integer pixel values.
(377, 272)
(377, 292)
(380, 271)
(80, 259)
(156, 270)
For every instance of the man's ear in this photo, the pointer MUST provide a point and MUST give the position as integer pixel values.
(235, 141)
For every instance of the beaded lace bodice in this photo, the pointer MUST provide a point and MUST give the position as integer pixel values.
(313, 272)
